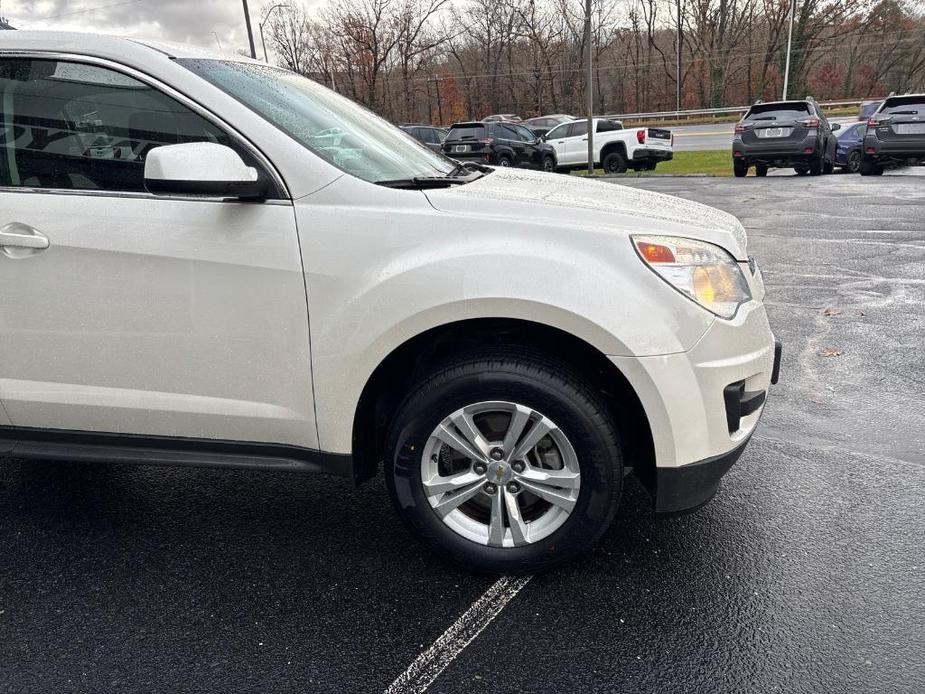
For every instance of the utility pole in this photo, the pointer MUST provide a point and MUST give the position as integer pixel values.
(436, 79)
(590, 88)
(678, 65)
(793, 6)
(250, 33)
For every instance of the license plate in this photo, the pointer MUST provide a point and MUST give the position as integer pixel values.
(910, 128)
(773, 132)
(461, 148)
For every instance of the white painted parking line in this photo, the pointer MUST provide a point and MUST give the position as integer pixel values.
(428, 666)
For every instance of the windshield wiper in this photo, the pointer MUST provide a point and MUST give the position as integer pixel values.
(418, 182)
(453, 178)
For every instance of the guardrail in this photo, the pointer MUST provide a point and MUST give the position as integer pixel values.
(694, 113)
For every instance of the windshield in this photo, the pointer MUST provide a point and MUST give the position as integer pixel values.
(471, 131)
(335, 128)
(791, 111)
(907, 106)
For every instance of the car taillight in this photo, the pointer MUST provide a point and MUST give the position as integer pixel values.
(487, 140)
(740, 127)
(872, 123)
(811, 122)
(641, 136)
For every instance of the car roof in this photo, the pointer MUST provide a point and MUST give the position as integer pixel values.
(105, 45)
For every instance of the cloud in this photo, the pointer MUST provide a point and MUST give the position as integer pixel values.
(184, 21)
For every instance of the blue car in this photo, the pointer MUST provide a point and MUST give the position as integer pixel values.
(850, 143)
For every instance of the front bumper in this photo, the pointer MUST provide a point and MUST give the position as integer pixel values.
(703, 405)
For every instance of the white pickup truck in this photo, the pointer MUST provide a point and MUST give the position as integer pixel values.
(615, 148)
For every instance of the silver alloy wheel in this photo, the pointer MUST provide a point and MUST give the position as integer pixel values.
(500, 474)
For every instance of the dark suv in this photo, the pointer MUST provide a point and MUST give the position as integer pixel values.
(784, 134)
(895, 135)
(499, 144)
(429, 135)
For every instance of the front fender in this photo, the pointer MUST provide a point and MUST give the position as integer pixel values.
(398, 268)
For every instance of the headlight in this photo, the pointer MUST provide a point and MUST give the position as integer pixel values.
(701, 271)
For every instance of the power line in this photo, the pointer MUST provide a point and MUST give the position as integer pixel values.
(88, 9)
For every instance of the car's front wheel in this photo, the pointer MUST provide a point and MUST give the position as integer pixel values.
(504, 463)
(549, 164)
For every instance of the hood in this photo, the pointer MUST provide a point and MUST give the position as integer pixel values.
(575, 201)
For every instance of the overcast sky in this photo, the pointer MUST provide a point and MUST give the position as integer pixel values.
(186, 21)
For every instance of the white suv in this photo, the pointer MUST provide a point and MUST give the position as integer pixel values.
(207, 261)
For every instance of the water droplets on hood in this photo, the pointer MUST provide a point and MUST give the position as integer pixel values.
(572, 191)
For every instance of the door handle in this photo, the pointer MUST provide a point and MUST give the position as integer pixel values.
(18, 235)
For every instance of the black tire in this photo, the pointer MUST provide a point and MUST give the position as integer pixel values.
(854, 162)
(817, 165)
(549, 164)
(801, 170)
(651, 166)
(505, 160)
(614, 163)
(828, 167)
(761, 169)
(544, 385)
(870, 167)
(739, 168)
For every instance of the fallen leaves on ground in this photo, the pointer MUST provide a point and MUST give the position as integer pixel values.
(829, 312)
(830, 352)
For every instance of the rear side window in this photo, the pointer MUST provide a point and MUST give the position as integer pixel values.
(907, 105)
(74, 126)
(606, 126)
(467, 132)
(786, 111)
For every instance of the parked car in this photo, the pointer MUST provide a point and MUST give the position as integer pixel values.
(501, 117)
(499, 144)
(849, 145)
(430, 135)
(615, 149)
(543, 124)
(784, 134)
(867, 109)
(895, 135)
(504, 344)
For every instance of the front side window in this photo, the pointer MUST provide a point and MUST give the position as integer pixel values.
(559, 131)
(331, 126)
(67, 125)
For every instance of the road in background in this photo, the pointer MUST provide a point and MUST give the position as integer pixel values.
(695, 138)
(804, 574)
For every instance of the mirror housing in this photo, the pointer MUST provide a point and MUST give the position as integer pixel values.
(836, 126)
(202, 169)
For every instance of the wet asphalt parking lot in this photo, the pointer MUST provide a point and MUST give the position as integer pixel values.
(805, 574)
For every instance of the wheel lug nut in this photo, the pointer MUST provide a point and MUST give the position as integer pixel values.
(479, 469)
(513, 487)
(497, 454)
(518, 466)
(490, 488)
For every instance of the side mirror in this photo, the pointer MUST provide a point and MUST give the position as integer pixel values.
(202, 168)
(836, 126)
